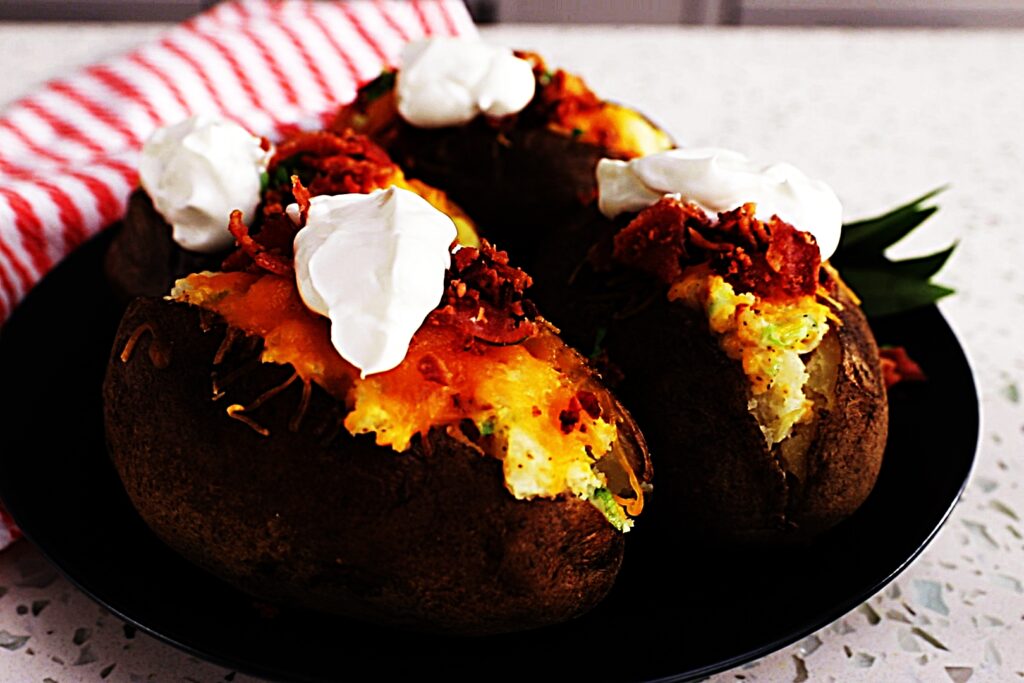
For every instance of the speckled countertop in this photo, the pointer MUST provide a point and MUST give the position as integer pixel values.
(882, 116)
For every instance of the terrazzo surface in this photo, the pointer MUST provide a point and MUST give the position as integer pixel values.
(882, 116)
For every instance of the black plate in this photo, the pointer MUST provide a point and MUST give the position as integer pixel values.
(675, 612)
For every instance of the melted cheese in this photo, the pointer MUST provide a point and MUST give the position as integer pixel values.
(768, 338)
(514, 399)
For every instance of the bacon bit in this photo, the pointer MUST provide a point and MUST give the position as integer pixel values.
(794, 256)
(260, 255)
(656, 240)
(325, 144)
(334, 163)
(898, 366)
(301, 195)
(434, 370)
(589, 403)
(772, 259)
(583, 401)
(570, 417)
(484, 297)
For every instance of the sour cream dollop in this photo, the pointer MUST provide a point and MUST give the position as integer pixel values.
(373, 264)
(449, 81)
(722, 180)
(197, 172)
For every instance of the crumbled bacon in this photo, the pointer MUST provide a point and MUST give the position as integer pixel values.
(434, 370)
(335, 163)
(590, 403)
(583, 402)
(772, 259)
(657, 240)
(302, 196)
(484, 297)
(570, 417)
(898, 366)
(259, 254)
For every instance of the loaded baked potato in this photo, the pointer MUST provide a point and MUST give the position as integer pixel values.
(517, 173)
(483, 485)
(746, 361)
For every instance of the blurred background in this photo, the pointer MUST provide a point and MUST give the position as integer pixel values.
(950, 13)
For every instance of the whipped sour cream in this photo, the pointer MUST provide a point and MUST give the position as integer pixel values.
(720, 180)
(374, 264)
(197, 172)
(449, 81)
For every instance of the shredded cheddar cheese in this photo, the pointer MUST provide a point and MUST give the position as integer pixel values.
(516, 401)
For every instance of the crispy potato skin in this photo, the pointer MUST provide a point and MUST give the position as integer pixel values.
(846, 455)
(143, 258)
(427, 539)
(717, 480)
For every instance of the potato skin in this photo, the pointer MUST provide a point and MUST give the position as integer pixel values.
(515, 184)
(717, 480)
(427, 539)
(143, 259)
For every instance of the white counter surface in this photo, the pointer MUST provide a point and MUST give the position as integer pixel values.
(882, 116)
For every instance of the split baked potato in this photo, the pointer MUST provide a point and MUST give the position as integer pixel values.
(517, 175)
(482, 486)
(629, 293)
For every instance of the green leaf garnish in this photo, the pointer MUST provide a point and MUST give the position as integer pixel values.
(264, 181)
(885, 286)
(884, 292)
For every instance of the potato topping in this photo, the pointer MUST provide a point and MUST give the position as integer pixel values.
(510, 401)
(571, 108)
(758, 283)
(563, 103)
(326, 163)
(768, 338)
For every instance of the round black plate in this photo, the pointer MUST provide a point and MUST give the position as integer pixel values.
(675, 613)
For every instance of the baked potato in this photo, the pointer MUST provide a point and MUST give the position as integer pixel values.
(734, 464)
(516, 175)
(482, 486)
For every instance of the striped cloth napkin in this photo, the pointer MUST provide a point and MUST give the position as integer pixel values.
(68, 151)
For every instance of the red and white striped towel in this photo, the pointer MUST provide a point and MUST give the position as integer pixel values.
(68, 150)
